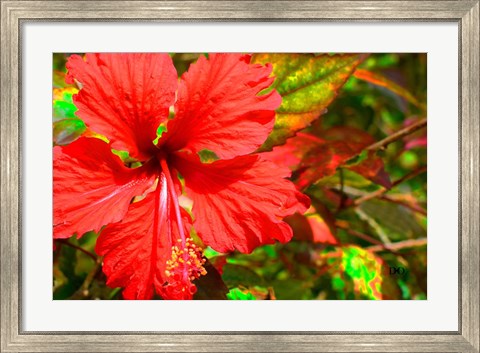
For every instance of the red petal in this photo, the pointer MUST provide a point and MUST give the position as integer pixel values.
(219, 109)
(92, 187)
(124, 97)
(136, 250)
(240, 203)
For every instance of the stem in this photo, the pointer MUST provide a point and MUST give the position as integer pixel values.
(342, 191)
(346, 227)
(83, 291)
(397, 135)
(381, 145)
(410, 175)
(379, 246)
(411, 243)
(412, 207)
(381, 191)
(88, 253)
(374, 225)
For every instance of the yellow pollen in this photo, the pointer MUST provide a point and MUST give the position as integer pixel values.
(184, 263)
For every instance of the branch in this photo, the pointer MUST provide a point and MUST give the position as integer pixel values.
(397, 135)
(88, 253)
(83, 292)
(410, 206)
(379, 145)
(411, 243)
(381, 191)
(346, 227)
(343, 196)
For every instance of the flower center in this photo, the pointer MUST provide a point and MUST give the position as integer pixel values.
(177, 267)
(186, 261)
(173, 193)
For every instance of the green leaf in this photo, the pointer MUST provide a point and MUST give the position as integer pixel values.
(63, 106)
(62, 109)
(237, 275)
(237, 294)
(207, 156)
(67, 262)
(67, 127)
(208, 252)
(292, 289)
(353, 273)
(308, 83)
(67, 130)
(365, 269)
(399, 222)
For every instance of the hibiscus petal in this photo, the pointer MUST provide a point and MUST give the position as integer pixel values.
(240, 203)
(92, 187)
(137, 249)
(124, 97)
(219, 107)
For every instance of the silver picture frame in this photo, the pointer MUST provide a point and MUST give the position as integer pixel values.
(465, 13)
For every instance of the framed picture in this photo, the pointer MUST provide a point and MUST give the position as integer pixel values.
(283, 159)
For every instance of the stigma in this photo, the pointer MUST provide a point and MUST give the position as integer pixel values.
(185, 265)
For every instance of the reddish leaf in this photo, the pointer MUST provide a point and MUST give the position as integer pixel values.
(219, 107)
(311, 228)
(308, 83)
(124, 97)
(319, 156)
(382, 81)
(300, 227)
(324, 212)
(92, 187)
(321, 231)
(372, 168)
(240, 203)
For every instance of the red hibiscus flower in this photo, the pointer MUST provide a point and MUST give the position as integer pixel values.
(239, 200)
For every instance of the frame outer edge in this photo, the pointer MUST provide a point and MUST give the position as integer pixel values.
(231, 10)
(470, 178)
(10, 180)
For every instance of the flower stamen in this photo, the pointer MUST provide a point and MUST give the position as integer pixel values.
(180, 272)
(186, 261)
